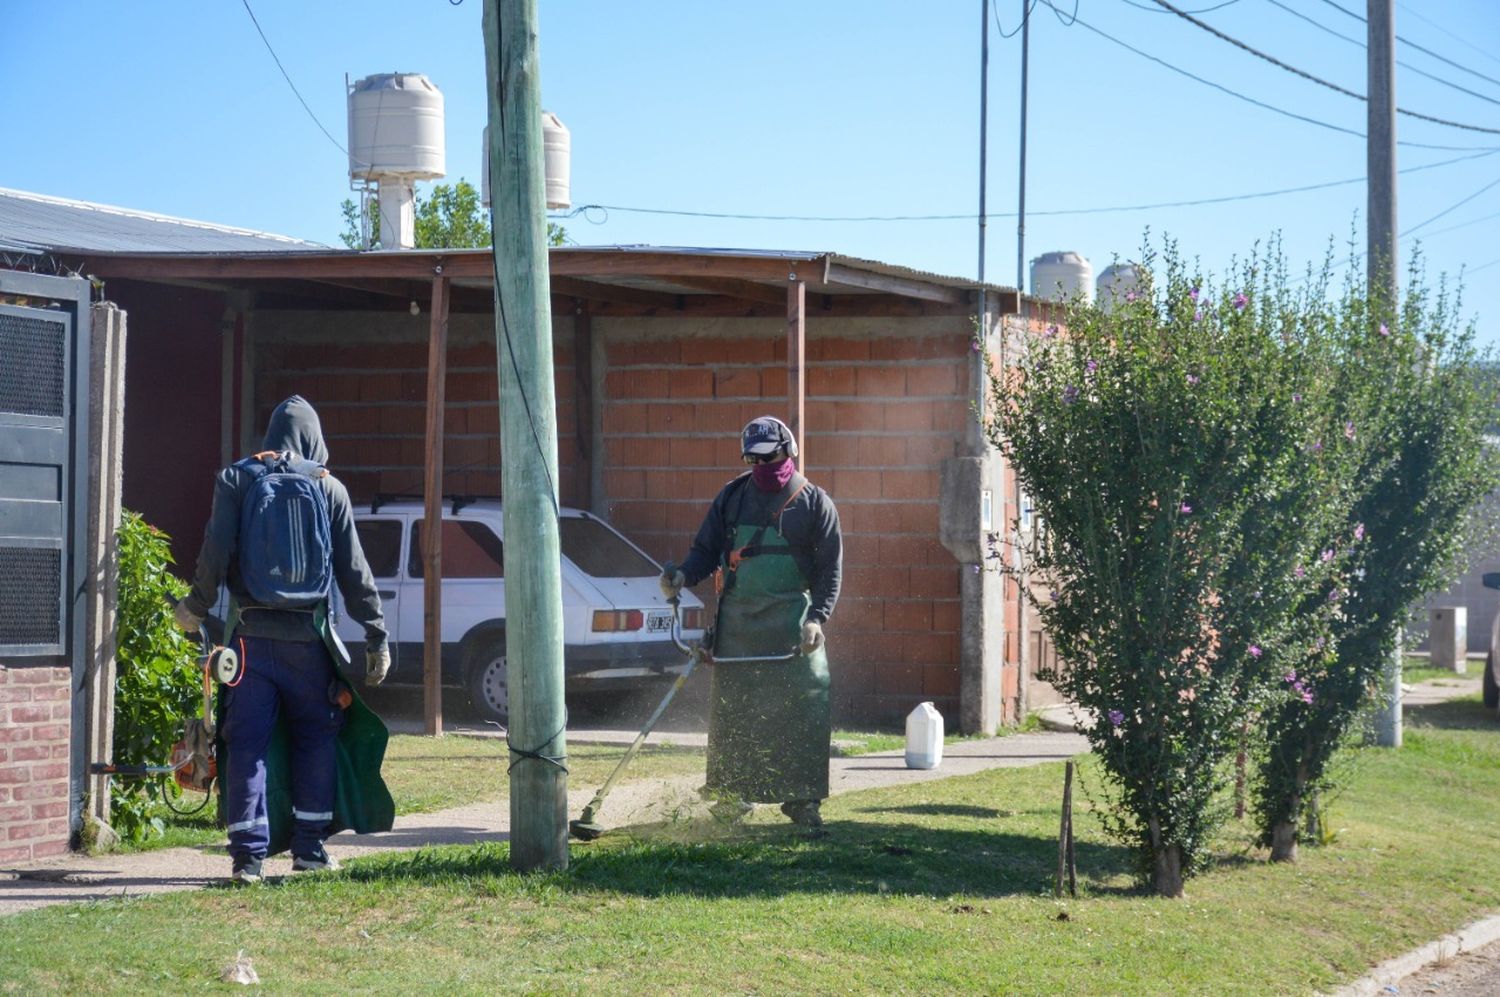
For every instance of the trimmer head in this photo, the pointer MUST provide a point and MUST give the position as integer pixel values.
(585, 830)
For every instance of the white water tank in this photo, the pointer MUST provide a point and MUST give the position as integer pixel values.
(396, 139)
(1062, 276)
(1117, 282)
(557, 149)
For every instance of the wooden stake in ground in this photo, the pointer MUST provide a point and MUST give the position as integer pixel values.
(1066, 862)
(528, 440)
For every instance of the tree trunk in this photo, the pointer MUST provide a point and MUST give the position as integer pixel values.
(1284, 841)
(1166, 864)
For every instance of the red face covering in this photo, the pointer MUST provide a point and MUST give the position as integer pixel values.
(773, 477)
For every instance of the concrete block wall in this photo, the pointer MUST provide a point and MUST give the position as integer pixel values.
(35, 727)
(371, 397)
(883, 411)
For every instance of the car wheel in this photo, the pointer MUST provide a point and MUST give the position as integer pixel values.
(487, 681)
(1491, 687)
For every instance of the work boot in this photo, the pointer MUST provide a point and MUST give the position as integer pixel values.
(315, 862)
(246, 870)
(731, 811)
(804, 813)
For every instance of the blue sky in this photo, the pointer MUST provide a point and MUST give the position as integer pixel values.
(784, 107)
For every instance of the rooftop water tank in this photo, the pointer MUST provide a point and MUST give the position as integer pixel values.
(396, 128)
(557, 147)
(1117, 281)
(1062, 276)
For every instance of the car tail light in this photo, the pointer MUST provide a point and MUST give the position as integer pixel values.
(618, 620)
(692, 619)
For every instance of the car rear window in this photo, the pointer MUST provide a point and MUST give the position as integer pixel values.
(470, 550)
(601, 552)
(380, 539)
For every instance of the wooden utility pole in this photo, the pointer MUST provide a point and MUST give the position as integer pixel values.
(528, 440)
(1381, 259)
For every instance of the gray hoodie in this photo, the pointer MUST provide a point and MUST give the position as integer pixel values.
(294, 426)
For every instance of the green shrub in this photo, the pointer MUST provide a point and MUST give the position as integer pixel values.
(157, 683)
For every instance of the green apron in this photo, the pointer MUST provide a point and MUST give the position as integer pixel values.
(769, 724)
(361, 801)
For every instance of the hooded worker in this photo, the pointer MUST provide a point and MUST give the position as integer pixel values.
(323, 762)
(772, 539)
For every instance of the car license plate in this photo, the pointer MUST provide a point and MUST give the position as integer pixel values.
(658, 623)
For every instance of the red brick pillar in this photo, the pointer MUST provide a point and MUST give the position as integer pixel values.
(34, 736)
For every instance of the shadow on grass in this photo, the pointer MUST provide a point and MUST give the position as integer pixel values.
(938, 810)
(699, 859)
(1454, 714)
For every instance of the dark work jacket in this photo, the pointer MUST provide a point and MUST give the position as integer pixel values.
(810, 525)
(294, 426)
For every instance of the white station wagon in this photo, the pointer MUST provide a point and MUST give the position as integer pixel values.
(616, 624)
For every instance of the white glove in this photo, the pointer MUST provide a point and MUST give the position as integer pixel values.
(185, 617)
(812, 637)
(671, 585)
(377, 665)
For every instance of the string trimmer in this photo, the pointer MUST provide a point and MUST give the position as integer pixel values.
(192, 765)
(586, 827)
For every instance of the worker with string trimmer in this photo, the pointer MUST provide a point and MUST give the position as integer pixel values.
(771, 539)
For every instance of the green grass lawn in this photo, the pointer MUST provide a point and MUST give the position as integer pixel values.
(933, 887)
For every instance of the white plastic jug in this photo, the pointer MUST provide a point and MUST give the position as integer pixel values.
(924, 737)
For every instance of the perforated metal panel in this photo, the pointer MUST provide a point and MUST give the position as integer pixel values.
(30, 611)
(33, 374)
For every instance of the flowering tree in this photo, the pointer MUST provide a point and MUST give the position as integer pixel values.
(1415, 377)
(1183, 449)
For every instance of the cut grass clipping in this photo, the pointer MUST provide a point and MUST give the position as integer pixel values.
(932, 887)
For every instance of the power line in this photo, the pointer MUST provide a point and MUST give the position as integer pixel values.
(995, 11)
(1258, 103)
(1419, 48)
(1452, 207)
(1315, 79)
(1201, 10)
(1112, 209)
(289, 82)
(1360, 44)
(1456, 37)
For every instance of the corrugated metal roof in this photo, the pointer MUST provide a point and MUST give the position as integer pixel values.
(39, 223)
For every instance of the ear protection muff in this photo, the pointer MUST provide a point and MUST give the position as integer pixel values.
(789, 441)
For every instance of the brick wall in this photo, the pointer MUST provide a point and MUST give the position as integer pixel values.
(34, 738)
(883, 411)
(371, 398)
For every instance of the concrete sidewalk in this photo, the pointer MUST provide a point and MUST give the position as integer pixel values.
(79, 877)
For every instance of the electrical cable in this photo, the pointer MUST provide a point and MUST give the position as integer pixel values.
(1025, 19)
(1069, 22)
(583, 209)
(1455, 36)
(1483, 266)
(289, 82)
(1364, 45)
(1316, 79)
(1453, 207)
(1419, 48)
(1259, 103)
(1201, 10)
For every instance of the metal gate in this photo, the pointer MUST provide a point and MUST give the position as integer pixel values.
(44, 335)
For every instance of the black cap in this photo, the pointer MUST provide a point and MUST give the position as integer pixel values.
(766, 436)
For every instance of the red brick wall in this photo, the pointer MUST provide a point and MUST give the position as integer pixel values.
(34, 737)
(371, 399)
(882, 414)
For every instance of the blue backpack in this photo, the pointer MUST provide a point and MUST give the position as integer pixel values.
(285, 546)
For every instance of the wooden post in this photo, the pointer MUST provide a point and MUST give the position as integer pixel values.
(1065, 861)
(432, 521)
(106, 436)
(528, 440)
(583, 400)
(796, 362)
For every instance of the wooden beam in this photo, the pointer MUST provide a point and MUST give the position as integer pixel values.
(583, 399)
(432, 522)
(906, 287)
(594, 291)
(733, 287)
(822, 305)
(600, 263)
(796, 362)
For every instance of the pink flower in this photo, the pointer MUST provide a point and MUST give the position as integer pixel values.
(1326, 556)
(1359, 531)
(1348, 430)
(1195, 292)
(1240, 301)
(1091, 366)
(1255, 650)
(1192, 378)
(1116, 718)
(1198, 315)
(1069, 395)
(1185, 509)
(1130, 295)
(1299, 572)
(1051, 332)
(1385, 330)
(1297, 398)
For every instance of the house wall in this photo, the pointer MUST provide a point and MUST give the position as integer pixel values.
(35, 732)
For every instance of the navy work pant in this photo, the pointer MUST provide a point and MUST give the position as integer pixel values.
(290, 679)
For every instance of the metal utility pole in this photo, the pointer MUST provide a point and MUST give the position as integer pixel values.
(1381, 259)
(1021, 207)
(984, 131)
(528, 440)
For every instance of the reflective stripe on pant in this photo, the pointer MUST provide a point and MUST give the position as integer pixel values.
(287, 679)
